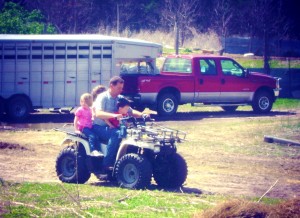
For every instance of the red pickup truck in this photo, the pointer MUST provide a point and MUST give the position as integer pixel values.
(210, 80)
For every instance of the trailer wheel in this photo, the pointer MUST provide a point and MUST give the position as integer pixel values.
(167, 105)
(18, 108)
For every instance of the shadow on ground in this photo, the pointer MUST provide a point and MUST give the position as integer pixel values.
(152, 187)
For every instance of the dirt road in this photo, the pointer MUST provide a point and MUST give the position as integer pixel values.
(28, 152)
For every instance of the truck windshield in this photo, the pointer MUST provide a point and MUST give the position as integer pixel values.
(177, 65)
(140, 67)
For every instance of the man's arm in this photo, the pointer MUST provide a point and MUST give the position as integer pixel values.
(106, 115)
(138, 114)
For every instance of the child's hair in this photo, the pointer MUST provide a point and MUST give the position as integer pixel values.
(86, 97)
(122, 102)
(97, 90)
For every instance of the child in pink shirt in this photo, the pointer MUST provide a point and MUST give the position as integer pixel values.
(83, 122)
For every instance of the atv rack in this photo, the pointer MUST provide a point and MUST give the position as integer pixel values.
(154, 132)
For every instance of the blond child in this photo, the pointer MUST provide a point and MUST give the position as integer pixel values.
(83, 122)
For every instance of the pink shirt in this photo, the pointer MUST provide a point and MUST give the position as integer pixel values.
(84, 117)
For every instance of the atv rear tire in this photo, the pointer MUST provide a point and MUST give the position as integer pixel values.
(170, 171)
(133, 171)
(71, 166)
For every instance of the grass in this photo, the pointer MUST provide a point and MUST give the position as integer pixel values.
(65, 200)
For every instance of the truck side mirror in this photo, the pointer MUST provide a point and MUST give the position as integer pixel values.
(246, 72)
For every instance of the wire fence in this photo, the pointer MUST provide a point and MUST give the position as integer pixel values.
(279, 48)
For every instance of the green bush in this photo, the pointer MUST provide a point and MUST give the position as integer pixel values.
(16, 20)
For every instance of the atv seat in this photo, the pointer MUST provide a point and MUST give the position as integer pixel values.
(69, 129)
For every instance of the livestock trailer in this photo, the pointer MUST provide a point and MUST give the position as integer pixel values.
(52, 71)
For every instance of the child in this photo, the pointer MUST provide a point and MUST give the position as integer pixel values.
(95, 92)
(83, 121)
(123, 106)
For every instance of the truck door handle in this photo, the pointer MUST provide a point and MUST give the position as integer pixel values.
(201, 81)
(222, 81)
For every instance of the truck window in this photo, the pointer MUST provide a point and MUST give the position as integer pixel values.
(208, 67)
(138, 67)
(231, 68)
(177, 65)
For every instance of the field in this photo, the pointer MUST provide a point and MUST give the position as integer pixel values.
(225, 153)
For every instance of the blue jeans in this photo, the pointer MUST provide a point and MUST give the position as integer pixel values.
(92, 137)
(112, 137)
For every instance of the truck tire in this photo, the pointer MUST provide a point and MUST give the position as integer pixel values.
(71, 167)
(262, 102)
(18, 108)
(229, 108)
(133, 171)
(167, 105)
(170, 171)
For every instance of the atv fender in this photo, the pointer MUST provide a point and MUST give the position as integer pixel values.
(69, 139)
(131, 142)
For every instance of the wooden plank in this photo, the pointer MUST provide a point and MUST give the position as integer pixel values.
(272, 139)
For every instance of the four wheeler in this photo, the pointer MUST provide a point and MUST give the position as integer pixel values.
(147, 150)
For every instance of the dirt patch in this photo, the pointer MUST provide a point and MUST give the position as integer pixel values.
(6, 145)
(214, 166)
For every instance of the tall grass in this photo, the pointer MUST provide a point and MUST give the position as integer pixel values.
(199, 41)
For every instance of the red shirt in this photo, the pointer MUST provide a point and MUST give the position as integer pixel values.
(115, 122)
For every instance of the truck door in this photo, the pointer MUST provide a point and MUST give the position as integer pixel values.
(207, 83)
(235, 87)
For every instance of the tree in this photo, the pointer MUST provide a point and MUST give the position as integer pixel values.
(14, 19)
(180, 14)
(268, 22)
(68, 16)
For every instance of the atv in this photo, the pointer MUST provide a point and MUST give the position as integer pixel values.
(147, 149)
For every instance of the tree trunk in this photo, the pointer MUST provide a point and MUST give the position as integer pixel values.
(176, 30)
(266, 53)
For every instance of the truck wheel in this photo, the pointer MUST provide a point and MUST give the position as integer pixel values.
(170, 171)
(71, 167)
(133, 171)
(262, 102)
(167, 105)
(18, 108)
(229, 108)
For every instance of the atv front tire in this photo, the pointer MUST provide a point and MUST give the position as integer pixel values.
(170, 171)
(71, 167)
(133, 171)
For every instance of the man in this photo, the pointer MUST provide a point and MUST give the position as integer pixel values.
(105, 108)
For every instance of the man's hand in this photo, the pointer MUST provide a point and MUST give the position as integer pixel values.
(118, 116)
(77, 131)
(145, 116)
